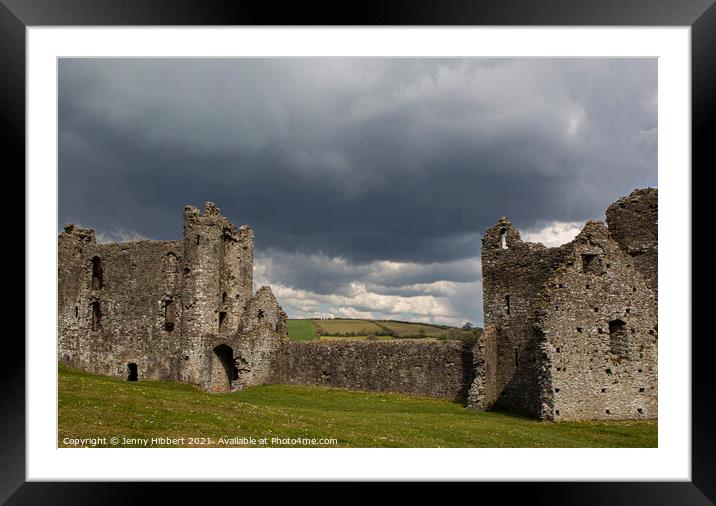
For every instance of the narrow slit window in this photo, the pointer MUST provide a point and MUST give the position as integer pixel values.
(97, 273)
(169, 315)
(503, 238)
(222, 320)
(507, 304)
(96, 316)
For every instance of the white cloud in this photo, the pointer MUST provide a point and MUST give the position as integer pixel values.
(553, 234)
(378, 290)
(118, 235)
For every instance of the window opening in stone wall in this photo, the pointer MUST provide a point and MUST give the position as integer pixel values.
(507, 304)
(96, 315)
(590, 264)
(169, 315)
(517, 359)
(222, 320)
(618, 338)
(132, 372)
(503, 238)
(260, 315)
(223, 298)
(97, 275)
(197, 239)
(77, 312)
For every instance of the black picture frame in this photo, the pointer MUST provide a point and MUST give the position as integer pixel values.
(700, 15)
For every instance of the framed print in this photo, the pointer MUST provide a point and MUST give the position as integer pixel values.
(296, 246)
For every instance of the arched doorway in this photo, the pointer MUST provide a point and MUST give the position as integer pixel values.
(223, 369)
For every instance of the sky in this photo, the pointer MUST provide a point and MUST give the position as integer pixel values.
(368, 182)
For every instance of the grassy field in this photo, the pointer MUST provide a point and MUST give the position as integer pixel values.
(301, 330)
(338, 327)
(403, 328)
(352, 338)
(349, 329)
(102, 407)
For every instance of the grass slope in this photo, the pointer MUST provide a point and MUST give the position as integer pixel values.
(357, 329)
(404, 328)
(98, 406)
(301, 330)
(338, 326)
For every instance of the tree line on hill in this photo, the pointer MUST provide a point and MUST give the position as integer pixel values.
(467, 332)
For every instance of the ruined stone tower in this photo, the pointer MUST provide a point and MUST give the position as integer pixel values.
(217, 282)
(571, 332)
(163, 309)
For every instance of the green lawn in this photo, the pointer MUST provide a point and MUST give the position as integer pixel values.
(343, 326)
(353, 338)
(348, 329)
(411, 329)
(301, 330)
(98, 406)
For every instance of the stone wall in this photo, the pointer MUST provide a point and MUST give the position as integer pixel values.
(434, 369)
(263, 334)
(113, 302)
(152, 303)
(572, 330)
(633, 223)
(598, 335)
(72, 283)
(483, 392)
(513, 273)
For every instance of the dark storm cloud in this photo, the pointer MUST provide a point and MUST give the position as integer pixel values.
(325, 275)
(365, 160)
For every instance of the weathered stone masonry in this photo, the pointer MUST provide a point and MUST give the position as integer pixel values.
(570, 332)
(432, 369)
(168, 310)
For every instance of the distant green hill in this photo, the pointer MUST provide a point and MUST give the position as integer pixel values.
(359, 329)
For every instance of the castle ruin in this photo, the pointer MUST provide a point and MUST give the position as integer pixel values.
(570, 332)
(168, 310)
